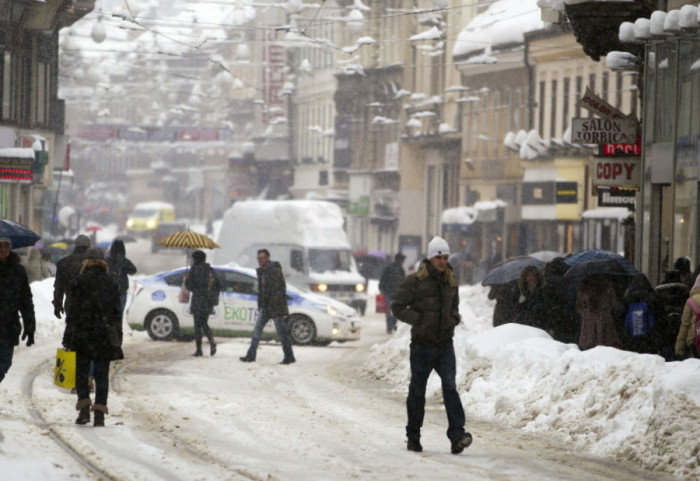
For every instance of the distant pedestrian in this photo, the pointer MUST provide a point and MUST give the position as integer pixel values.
(389, 281)
(37, 269)
(428, 300)
(97, 333)
(650, 340)
(68, 269)
(673, 294)
(559, 313)
(197, 282)
(682, 265)
(506, 297)
(272, 305)
(685, 346)
(599, 306)
(120, 267)
(530, 309)
(15, 299)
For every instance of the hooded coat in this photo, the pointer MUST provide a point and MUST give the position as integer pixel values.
(429, 301)
(272, 291)
(15, 299)
(119, 266)
(640, 290)
(686, 333)
(598, 305)
(96, 304)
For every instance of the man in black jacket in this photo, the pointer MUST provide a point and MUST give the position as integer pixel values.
(67, 270)
(15, 299)
(428, 300)
(272, 305)
(389, 281)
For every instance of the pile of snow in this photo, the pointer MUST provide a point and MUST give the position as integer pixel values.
(605, 401)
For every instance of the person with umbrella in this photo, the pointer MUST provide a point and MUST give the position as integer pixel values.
(16, 298)
(530, 309)
(197, 282)
(598, 305)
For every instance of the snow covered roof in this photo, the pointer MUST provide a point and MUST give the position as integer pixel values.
(504, 22)
(17, 153)
(661, 23)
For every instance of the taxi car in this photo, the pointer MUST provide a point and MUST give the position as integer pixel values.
(153, 306)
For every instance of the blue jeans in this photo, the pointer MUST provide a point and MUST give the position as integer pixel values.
(390, 319)
(282, 334)
(423, 360)
(101, 375)
(6, 352)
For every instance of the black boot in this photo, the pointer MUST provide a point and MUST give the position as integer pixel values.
(198, 344)
(414, 445)
(212, 349)
(460, 443)
(83, 408)
(100, 411)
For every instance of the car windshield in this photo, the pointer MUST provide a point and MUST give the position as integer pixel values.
(143, 213)
(322, 260)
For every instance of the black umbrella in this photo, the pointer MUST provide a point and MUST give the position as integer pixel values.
(510, 269)
(610, 267)
(19, 235)
(588, 255)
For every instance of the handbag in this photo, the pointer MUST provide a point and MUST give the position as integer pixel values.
(64, 371)
(184, 296)
(381, 306)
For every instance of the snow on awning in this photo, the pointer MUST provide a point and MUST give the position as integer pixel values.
(482, 211)
(17, 153)
(619, 213)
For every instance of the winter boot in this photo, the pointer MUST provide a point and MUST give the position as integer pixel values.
(414, 445)
(83, 406)
(100, 411)
(198, 352)
(460, 443)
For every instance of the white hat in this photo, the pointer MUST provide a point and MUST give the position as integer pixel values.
(438, 247)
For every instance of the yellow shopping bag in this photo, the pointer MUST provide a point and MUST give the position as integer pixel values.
(64, 371)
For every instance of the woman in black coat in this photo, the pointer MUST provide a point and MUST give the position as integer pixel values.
(97, 332)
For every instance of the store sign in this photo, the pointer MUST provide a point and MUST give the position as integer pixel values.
(614, 197)
(604, 131)
(596, 105)
(567, 193)
(16, 170)
(622, 172)
(622, 150)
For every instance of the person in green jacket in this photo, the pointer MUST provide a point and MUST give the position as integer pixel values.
(428, 300)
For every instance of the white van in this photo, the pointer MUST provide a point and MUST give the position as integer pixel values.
(305, 236)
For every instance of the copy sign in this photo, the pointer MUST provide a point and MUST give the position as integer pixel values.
(617, 172)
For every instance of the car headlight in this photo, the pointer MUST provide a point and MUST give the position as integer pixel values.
(151, 224)
(319, 287)
(330, 310)
(129, 223)
(360, 287)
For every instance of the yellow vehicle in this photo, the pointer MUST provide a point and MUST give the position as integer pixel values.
(146, 217)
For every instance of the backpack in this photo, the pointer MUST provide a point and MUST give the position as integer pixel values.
(213, 288)
(696, 326)
(638, 320)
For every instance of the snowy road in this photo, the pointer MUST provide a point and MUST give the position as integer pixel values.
(182, 418)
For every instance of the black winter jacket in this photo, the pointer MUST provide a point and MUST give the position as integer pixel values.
(66, 271)
(429, 302)
(15, 299)
(391, 278)
(120, 267)
(96, 303)
(272, 291)
(197, 282)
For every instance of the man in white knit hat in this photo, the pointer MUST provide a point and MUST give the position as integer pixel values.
(428, 300)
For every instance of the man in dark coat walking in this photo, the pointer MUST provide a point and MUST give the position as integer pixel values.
(428, 300)
(197, 282)
(272, 305)
(389, 281)
(120, 267)
(96, 334)
(15, 299)
(67, 270)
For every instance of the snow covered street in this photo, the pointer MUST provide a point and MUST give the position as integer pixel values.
(338, 413)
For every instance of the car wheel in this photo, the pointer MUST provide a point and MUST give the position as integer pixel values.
(302, 330)
(161, 325)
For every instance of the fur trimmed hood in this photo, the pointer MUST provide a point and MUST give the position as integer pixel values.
(87, 263)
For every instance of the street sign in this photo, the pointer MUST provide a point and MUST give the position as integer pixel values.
(617, 172)
(594, 104)
(604, 131)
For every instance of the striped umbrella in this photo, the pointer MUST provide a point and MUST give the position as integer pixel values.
(188, 240)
